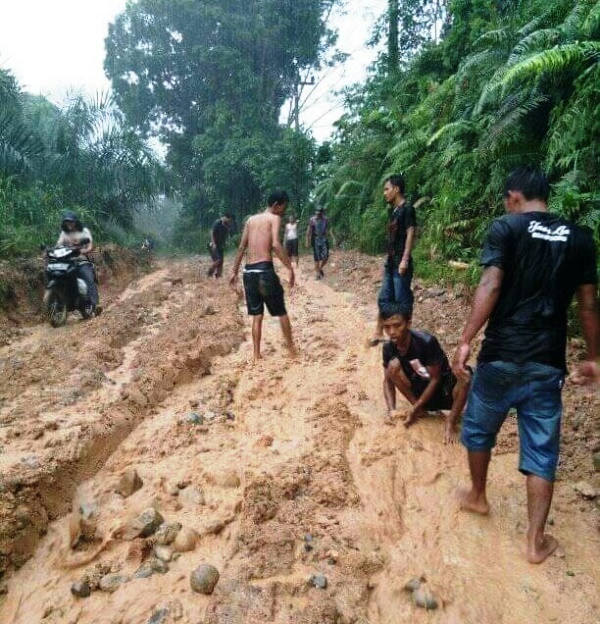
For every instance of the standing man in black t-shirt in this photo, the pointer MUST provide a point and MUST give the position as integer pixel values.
(218, 236)
(398, 269)
(415, 364)
(534, 262)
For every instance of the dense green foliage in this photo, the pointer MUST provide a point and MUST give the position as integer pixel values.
(80, 157)
(507, 83)
(211, 77)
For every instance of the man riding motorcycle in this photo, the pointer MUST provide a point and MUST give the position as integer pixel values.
(72, 235)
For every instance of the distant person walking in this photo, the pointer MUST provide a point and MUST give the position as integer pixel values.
(261, 237)
(290, 237)
(317, 238)
(218, 237)
(534, 262)
(398, 269)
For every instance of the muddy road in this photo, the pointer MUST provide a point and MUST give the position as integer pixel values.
(281, 474)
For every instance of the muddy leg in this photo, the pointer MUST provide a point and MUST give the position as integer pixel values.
(286, 328)
(475, 499)
(396, 375)
(459, 400)
(539, 498)
(257, 334)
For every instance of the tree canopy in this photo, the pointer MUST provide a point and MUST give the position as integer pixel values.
(211, 77)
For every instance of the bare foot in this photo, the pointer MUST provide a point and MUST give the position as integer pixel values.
(540, 552)
(450, 433)
(471, 502)
(389, 419)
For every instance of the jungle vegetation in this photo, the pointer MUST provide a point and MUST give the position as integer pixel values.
(463, 91)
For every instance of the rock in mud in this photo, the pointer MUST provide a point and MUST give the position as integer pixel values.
(159, 566)
(144, 571)
(194, 418)
(204, 579)
(185, 540)
(159, 616)
(144, 525)
(319, 581)
(164, 553)
(167, 532)
(81, 589)
(129, 483)
(425, 599)
(414, 583)
(111, 582)
(586, 490)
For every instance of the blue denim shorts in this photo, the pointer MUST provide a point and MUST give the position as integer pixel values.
(534, 390)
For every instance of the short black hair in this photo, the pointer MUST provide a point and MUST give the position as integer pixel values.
(229, 215)
(397, 180)
(278, 197)
(389, 309)
(529, 180)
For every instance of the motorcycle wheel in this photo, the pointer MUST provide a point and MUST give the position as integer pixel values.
(86, 311)
(56, 309)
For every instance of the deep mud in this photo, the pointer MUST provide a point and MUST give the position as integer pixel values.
(287, 472)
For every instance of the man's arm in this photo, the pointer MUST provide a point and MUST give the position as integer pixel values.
(279, 250)
(435, 376)
(87, 248)
(239, 255)
(410, 241)
(588, 370)
(308, 233)
(484, 302)
(389, 393)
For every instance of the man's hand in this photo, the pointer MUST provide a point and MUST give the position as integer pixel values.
(403, 267)
(459, 363)
(586, 373)
(292, 278)
(233, 278)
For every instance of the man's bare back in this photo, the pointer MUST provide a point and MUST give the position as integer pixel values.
(262, 230)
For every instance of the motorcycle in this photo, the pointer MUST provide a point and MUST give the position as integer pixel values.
(65, 290)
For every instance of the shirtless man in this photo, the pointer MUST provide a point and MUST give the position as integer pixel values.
(261, 283)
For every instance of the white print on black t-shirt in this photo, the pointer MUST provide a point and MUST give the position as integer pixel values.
(537, 230)
(420, 369)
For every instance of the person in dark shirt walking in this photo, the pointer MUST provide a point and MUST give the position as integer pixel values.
(534, 263)
(218, 236)
(398, 269)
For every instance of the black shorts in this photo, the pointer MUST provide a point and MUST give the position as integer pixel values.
(442, 399)
(291, 247)
(262, 287)
(216, 254)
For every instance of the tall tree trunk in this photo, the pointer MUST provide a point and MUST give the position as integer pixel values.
(393, 49)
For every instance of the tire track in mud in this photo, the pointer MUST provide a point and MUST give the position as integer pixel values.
(294, 474)
(55, 446)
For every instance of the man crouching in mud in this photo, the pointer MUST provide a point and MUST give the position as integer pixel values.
(417, 366)
(261, 283)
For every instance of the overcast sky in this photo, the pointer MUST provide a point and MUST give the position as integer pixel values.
(53, 46)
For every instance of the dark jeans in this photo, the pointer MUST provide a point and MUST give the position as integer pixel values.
(395, 288)
(88, 275)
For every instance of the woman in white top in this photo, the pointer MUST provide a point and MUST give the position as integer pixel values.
(291, 238)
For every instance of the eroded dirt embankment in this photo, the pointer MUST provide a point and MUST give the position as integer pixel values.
(69, 396)
(312, 509)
